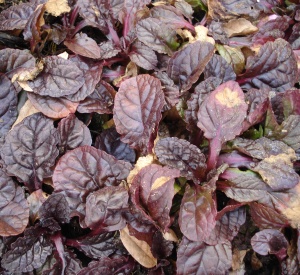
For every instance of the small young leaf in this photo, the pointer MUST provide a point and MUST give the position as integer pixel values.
(186, 65)
(56, 206)
(143, 56)
(100, 101)
(201, 91)
(220, 68)
(182, 155)
(158, 36)
(269, 241)
(72, 133)
(109, 141)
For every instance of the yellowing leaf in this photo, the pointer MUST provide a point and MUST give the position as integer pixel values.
(233, 56)
(159, 182)
(138, 249)
(141, 163)
(27, 110)
(241, 26)
(57, 7)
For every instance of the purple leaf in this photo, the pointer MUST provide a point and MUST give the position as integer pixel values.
(60, 77)
(137, 111)
(27, 253)
(100, 101)
(8, 107)
(258, 102)
(108, 49)
(33, 31)
(14, 208)
(274, 67)
(83, 45)
(271, 30)
(143, 56)
(218, 67)
(277, 173)
(72, 133)
(95, 247)
(92, 74)
(84, 170)
(54, 107)
(197, 213)
(109, 141)
(12, 59)
(227, 227)
(96, 13)
(294, 37)
(263, 148)
(113, 266)
(56, 206)
(105, 208)
(30, 150)
(70, 264)
(170, 90)
(199, 258)
(186, 65)
(200, 93)
(170, 15)
(158, 36)
(270, 241)
(182, 155)
(152, 191)
(243, 186)
(266, 217)
(16, 16)
(220, 117)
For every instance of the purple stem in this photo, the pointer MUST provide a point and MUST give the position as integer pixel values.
(73, 16)
(60, 249)
(79, 26)
(215, 147)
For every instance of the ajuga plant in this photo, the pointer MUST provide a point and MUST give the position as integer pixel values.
(150, 137)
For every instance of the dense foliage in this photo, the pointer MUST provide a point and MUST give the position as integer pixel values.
(150, 137)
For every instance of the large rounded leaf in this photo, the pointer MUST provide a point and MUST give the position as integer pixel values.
(60, 77)
(84, 170)
(137, 111)
(30, 149)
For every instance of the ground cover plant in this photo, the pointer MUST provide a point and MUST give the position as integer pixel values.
(149, 137)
